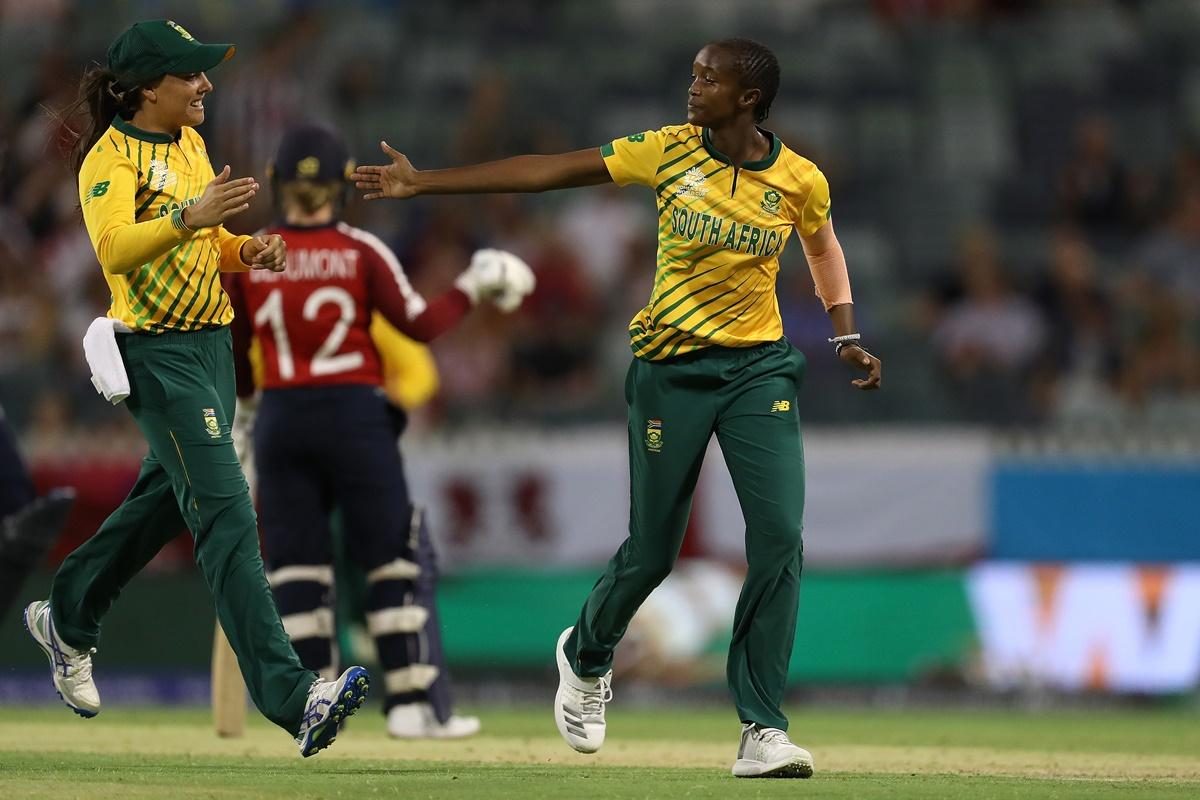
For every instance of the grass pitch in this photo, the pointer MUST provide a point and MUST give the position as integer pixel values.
(136, 753)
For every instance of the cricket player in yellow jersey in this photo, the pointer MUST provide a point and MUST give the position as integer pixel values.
(710, 358)
(154, 211)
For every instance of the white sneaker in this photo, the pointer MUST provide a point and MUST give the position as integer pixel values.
(71, 668)
(329, 704)
(579, 703)
(768, 753)
(417, 721)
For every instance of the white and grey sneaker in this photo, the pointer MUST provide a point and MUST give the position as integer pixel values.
(329, 704)
(71, 668)
(579, 703)
(768, 753)
(417, 721)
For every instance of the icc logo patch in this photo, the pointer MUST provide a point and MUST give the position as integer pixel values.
(771, 201)
(694, 185)
(210, 423)
(160, 178)
(654, 440)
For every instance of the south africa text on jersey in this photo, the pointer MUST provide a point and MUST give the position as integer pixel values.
(713, 230)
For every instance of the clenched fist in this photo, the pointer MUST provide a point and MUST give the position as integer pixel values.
(265, 252)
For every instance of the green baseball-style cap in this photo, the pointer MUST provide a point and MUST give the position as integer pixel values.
(157, 47)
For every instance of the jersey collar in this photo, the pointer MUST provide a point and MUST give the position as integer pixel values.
(127, 128)
(320, 226)
(766, 163)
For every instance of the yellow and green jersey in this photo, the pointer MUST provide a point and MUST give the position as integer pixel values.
(133, 186)
(721, 229)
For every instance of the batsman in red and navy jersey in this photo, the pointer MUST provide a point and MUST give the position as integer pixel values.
(312, 320)
(324, 435)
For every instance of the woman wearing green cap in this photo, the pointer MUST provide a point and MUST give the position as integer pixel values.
(154, 211)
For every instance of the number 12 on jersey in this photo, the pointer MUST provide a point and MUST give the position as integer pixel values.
(326, 360)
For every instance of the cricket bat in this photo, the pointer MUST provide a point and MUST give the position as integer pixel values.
(228, 691)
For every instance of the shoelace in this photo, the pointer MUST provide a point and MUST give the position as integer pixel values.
(82, 665)
(593, 700)
(314, 713)
(772, 736)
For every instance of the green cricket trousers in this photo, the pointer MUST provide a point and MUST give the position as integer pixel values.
(182, 397)
(747, 397)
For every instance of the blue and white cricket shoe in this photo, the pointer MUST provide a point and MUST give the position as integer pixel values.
(329, 704)
(70, 668)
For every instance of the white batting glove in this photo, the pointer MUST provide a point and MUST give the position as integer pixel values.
(517, 283)
(243, 437)
(498, 276)
(481, 279)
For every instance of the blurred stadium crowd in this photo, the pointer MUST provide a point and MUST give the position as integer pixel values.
(1016, 184)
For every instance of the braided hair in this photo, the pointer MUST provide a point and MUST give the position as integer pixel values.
(757, 68)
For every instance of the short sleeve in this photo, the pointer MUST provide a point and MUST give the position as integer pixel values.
(635, 158)
(816, 210)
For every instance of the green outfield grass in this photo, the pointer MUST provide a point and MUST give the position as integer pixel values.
(127, 753)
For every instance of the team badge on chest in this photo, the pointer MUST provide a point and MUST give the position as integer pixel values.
(771, 201)
(654, 435)
(210, 423)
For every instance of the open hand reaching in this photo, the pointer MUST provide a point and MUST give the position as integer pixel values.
(394, 180)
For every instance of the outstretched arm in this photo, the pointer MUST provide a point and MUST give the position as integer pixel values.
(518, 174)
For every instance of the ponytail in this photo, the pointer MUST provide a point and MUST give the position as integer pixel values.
(101, 98)
(309, 196)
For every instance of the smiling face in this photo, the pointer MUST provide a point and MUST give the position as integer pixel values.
(176, 101)
(716, 95)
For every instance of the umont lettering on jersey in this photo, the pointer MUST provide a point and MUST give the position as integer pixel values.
(313, 265)
(713, 230)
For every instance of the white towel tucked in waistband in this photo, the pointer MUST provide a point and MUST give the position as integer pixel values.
(104, 359)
